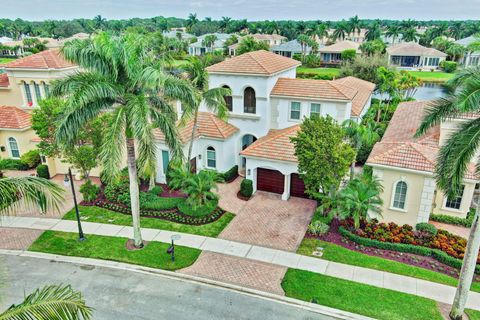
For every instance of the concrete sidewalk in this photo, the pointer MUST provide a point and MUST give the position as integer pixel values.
(431, 290)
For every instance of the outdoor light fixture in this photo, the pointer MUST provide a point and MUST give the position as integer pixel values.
(248, 172)
(199, 157)
(66, 181)
(171, 249)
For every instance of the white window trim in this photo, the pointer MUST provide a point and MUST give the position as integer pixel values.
(310, 109)
(444, 205)
(10, 149)
(290, 112)
(206, 158)
(392, 198)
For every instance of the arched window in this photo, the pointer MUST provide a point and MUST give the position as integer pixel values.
(28, 93)
(211, 157)
(46, 89)
(38, 94)
(228, 100)
(400, 195)
(249, 101)
(14, 151)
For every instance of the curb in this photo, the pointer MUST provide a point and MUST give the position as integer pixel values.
(312, 307)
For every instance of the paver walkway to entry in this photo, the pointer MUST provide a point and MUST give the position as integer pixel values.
(435, 291)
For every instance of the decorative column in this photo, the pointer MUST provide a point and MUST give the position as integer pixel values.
(426, 201)
(286, 187)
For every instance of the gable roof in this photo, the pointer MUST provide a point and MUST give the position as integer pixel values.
(401, 149)
(4, 82)
(276, 145)
(468, 40)
(208, 125)
(259, 62)
(340, 47)
(290, 46)
(48, 59)
(14, 118)
(308, 88)
(364, 91)
(413, 49)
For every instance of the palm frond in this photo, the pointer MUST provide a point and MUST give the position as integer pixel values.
(50, 303)
(439, 110)
(164, 120)
(29, 191)
(214, 100)
(113, 147)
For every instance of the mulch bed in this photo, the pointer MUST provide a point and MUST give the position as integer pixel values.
(242, 197)
(130, 246)
(333, 236)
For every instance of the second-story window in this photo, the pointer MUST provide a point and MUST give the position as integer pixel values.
(249, 101)
(46, 88)
(295, 108)
(28, 93)
(228, 100)
(314, 110)
(38, 94)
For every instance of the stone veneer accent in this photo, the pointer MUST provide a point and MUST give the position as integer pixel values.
(426, 201)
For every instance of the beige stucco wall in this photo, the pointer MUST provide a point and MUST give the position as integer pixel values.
(23, 140)
(440, 199)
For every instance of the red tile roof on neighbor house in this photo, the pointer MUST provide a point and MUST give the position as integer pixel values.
(14, 118)
(48, 59)
(4, 80)
(401, 149)
(208, 125)
(276, 145)
(364, 91)
(260, 62)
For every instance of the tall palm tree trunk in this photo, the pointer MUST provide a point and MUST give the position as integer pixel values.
(468, 269)
(194, 131)
(134, 192)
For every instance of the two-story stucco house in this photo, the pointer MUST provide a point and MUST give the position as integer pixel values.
(267, 105)
(406, 165)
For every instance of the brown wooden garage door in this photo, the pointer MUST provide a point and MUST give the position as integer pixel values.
(297, 187)
(270, 180)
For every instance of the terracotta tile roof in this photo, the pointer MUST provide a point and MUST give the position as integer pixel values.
(276, 145)
(208, 125)
(48, 59)
(36, 139)
(257, 62)
(262, 36)
(413, 49)
(399, 148)
(308, 88)
(340, 46)
(364, 88)
(14, 118)
(4, 80)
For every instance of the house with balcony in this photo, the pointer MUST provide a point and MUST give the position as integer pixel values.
(267, 105)
(406, 167)
(411, 55)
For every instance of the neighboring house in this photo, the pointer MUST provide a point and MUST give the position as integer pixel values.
(267, 105)
(270, 39)
(198, 48)
(289, 49)
(470, 59)
(411, 55)
(182, 35)
(5, 39)
(406, 165)
(25, 82)
(333, 54)
(18, 48)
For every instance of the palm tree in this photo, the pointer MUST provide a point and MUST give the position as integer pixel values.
(373, 32)
(456, 29)
(120, 77)
(99, 22)
(359, 135)
(191, 20)
(213, 99)
(199, 188)
(360, 198)
(209, 41)
(340, 31)
(410, 35)
(50, 302)
(394, 32)
(354, 24)
(320, 31)
(224, 23)
(249, 44)
(453, 162)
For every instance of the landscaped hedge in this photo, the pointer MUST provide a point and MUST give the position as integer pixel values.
(231, 174)
(42, 171)
(408, 248)
(464, 222)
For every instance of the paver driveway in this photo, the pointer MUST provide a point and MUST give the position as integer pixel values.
(268, 221)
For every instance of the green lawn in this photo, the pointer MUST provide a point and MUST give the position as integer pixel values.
(333, 252)
(429, 76)
(332, 72)
(111, 248)
(473, 314)
(358, 298)
(6, 60)
(96, 214)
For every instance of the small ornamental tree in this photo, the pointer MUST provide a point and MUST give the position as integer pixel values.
(324, 155)
(349, 54)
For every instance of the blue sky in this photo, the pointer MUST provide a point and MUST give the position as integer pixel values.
(250, 9)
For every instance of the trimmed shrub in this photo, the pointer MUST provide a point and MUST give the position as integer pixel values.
(16, 164)
(89, 191)
(318, 228)
(312, 61)
(297, 56)
(448, 66)
(246, 188)
(464, 222)
(157, 190)
(119, 191)
(31, 158)
(42, 171)
(408, 248)
(201, 211)
(231, 174)
(349, 54)
(427, 227)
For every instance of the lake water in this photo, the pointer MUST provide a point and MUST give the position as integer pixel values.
(427, 91)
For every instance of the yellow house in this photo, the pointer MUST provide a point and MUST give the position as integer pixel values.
(406, 165)
(25, 82)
